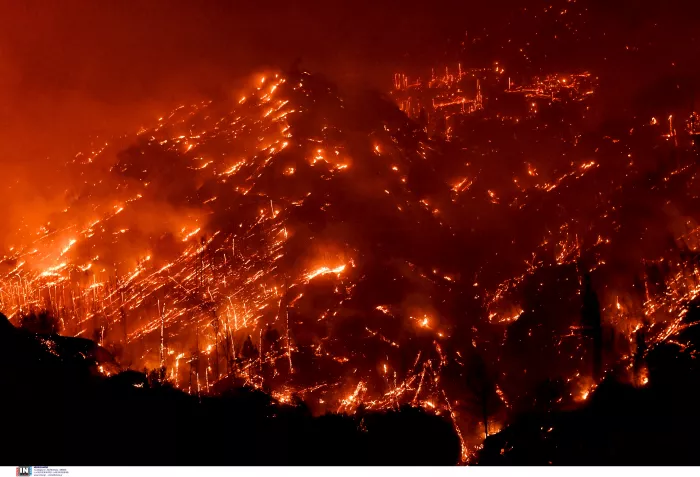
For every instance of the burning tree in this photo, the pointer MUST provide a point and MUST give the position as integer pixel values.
(348, 234)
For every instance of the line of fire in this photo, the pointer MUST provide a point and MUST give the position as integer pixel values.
(469, 239)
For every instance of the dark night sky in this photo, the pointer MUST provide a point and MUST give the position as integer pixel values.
(72, 69)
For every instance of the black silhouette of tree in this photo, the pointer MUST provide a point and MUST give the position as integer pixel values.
(156, 377)
(482, 387)
(591, 322)
(42, 322)
(116, 350)
(271, 338)
(640, 350)
(249, 351)
(423, 119)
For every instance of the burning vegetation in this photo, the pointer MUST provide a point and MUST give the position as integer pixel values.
(450, 247)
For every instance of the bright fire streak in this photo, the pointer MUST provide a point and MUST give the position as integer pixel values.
(324, 271)
(191, 234)
(52, 270)
(70, 244)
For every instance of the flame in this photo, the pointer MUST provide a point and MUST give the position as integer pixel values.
(324, 271)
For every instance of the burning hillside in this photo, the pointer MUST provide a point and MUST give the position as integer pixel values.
(320, 244)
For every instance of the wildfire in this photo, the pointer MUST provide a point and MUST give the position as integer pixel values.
(239, 303)
(324, 271)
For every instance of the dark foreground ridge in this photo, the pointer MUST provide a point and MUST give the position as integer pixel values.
(620, 424)
(60, 409)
